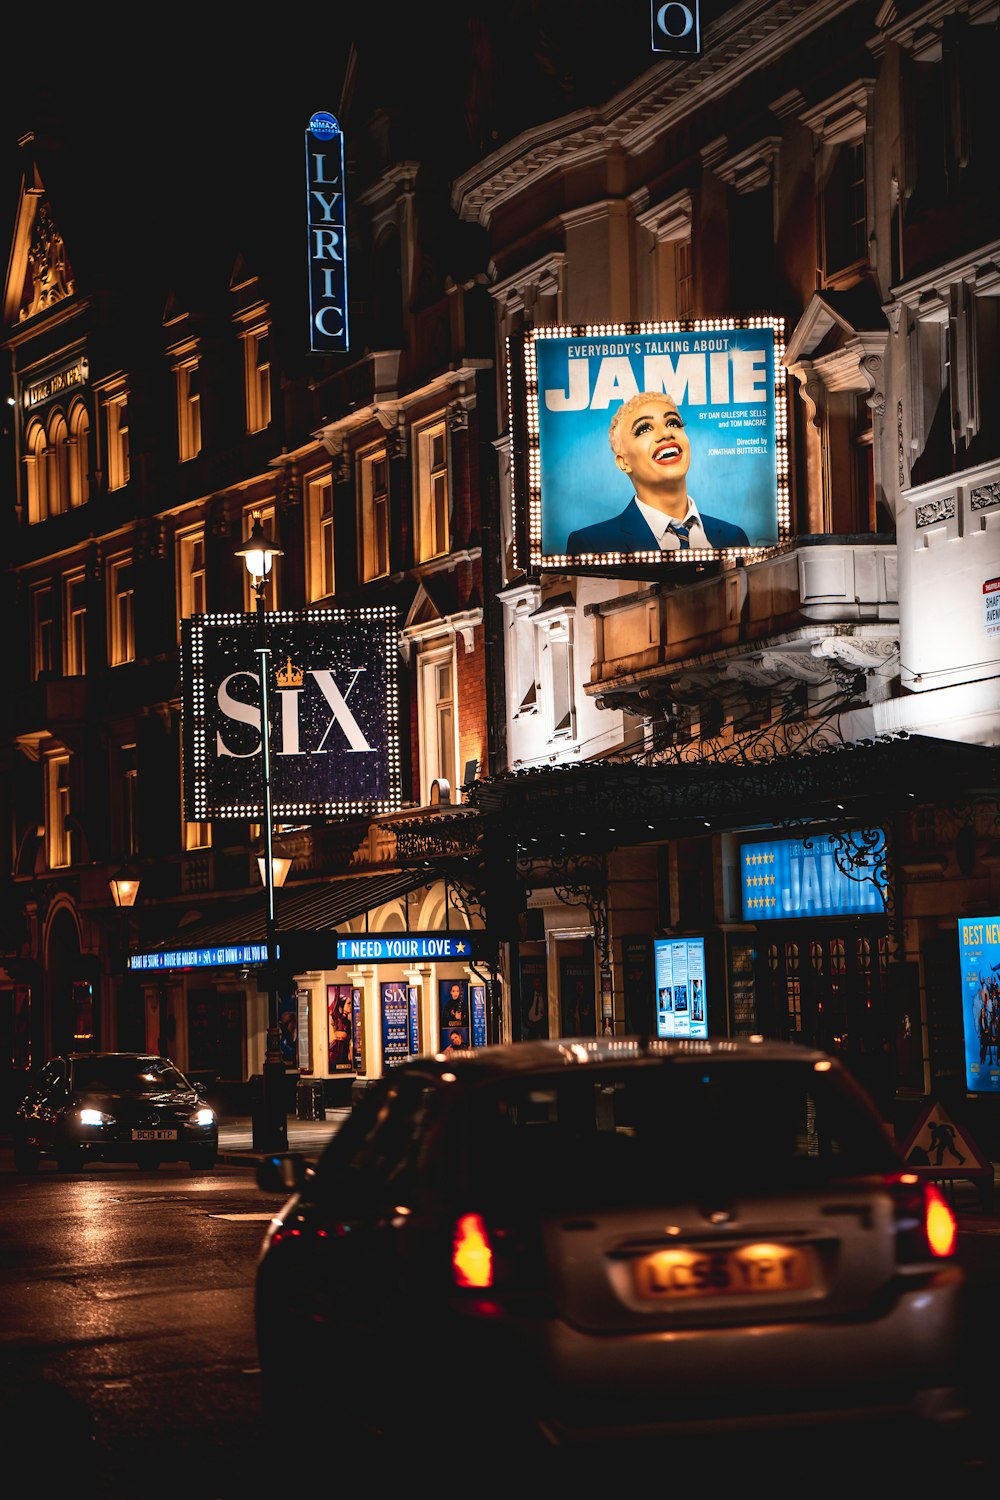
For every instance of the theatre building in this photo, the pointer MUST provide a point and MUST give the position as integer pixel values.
(732, 775)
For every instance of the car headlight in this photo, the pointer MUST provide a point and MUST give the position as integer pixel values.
(95, 1117)
(203, 1117)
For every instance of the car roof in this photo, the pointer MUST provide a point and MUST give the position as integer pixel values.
(521, 1059)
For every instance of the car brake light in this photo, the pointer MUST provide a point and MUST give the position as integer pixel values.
(939, 1222)
(925, 1223)
(471, 1253)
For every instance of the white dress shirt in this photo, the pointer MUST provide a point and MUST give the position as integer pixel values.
(663, 531)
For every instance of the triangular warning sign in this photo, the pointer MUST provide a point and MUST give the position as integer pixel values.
(939, 1147)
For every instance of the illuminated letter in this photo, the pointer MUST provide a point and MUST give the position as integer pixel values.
(244, 713)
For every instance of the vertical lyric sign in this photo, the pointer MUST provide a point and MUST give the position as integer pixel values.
(326, 218)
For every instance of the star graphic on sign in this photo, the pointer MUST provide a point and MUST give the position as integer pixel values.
(461, 947)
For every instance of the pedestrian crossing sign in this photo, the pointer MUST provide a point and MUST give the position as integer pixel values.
(939, 1147)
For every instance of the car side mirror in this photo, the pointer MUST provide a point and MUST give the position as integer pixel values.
(282, 1174)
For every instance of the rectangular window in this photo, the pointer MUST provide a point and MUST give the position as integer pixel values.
(319, 538)
(129, 800)
(190, 554)
(43, 631)
(438, 722)
(685, 278)
(57, 810)
(374, 528)
(257, 377)
(193, 835)
(432, 492)
(188, 409)
(75, 624)
(524, 663)
(118, 450)
(843, 213)
(121, 627)
(266, 515)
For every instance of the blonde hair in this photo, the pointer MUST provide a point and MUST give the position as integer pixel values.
(614, 431)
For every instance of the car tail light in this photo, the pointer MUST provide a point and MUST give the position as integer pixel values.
(471, 1253)
(942, 1230)
(925, 1224)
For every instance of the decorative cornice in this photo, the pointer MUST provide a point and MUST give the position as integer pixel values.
(651, 105)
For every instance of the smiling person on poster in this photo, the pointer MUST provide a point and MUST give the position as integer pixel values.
(651, 446)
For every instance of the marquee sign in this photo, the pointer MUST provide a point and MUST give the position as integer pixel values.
(725, 378)
(326, 218)
(227, 955)
(333, 714)
(803, 877)
(389, 947)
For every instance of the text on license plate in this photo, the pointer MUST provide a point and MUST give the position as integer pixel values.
(669, 1275)
(154, 1135)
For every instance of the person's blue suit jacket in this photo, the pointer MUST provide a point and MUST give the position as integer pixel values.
(628, 532)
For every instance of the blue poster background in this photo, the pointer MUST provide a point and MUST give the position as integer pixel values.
(733, 446)
(979, 958)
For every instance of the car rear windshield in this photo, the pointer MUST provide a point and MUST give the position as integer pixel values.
(665, 1132)
(129, 1075)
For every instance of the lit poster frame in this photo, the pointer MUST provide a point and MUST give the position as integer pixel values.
(979, 961)
(727, 377)
(679, 979)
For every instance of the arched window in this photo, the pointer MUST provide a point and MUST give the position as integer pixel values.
(79, 456)
(35, 462)
(58, 465)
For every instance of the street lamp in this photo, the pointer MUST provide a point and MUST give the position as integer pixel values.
(270, 1130)
(124, 887)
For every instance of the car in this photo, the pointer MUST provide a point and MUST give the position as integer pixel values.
(114, 1107)
(583, 1241)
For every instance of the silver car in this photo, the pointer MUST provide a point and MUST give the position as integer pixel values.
(583, 1241)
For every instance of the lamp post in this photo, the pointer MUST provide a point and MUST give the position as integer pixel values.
(270, 1126)
(124, 887)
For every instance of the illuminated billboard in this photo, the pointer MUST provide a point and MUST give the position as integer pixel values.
(709, 456)
(979, 961)
(333, 714)
(815, 876)
(326, 224)
(679, 978)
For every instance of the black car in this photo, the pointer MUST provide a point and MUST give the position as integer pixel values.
(114, 1106)
(576, 1240)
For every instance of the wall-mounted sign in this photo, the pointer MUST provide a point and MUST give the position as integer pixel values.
(979, 964)
(224, 957)
(813, 877)
(679, 982)
(326, 218)
(56, 385)
(675, 28)
(397, 946)
(991, 605)
(710, 454)
(333, 701)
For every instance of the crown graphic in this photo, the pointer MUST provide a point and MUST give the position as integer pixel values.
(289, 676)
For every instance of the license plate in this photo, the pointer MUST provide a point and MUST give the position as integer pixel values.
(677, 1274)
(154, 1135)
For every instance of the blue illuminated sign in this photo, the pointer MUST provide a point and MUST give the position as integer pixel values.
(813, 877)
(326, 219)
(392, 947)
(238, 954)
(676, 27)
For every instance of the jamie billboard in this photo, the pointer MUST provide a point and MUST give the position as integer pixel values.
(333, 714)
(979, 961)
(694, 467)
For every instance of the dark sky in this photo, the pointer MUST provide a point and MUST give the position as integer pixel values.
(186, 127)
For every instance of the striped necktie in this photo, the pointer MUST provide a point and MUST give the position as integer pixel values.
(681, 532)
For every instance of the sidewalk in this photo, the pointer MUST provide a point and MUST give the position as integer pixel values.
(305, 1137)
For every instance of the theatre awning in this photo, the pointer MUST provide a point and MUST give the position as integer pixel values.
(306, 919)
